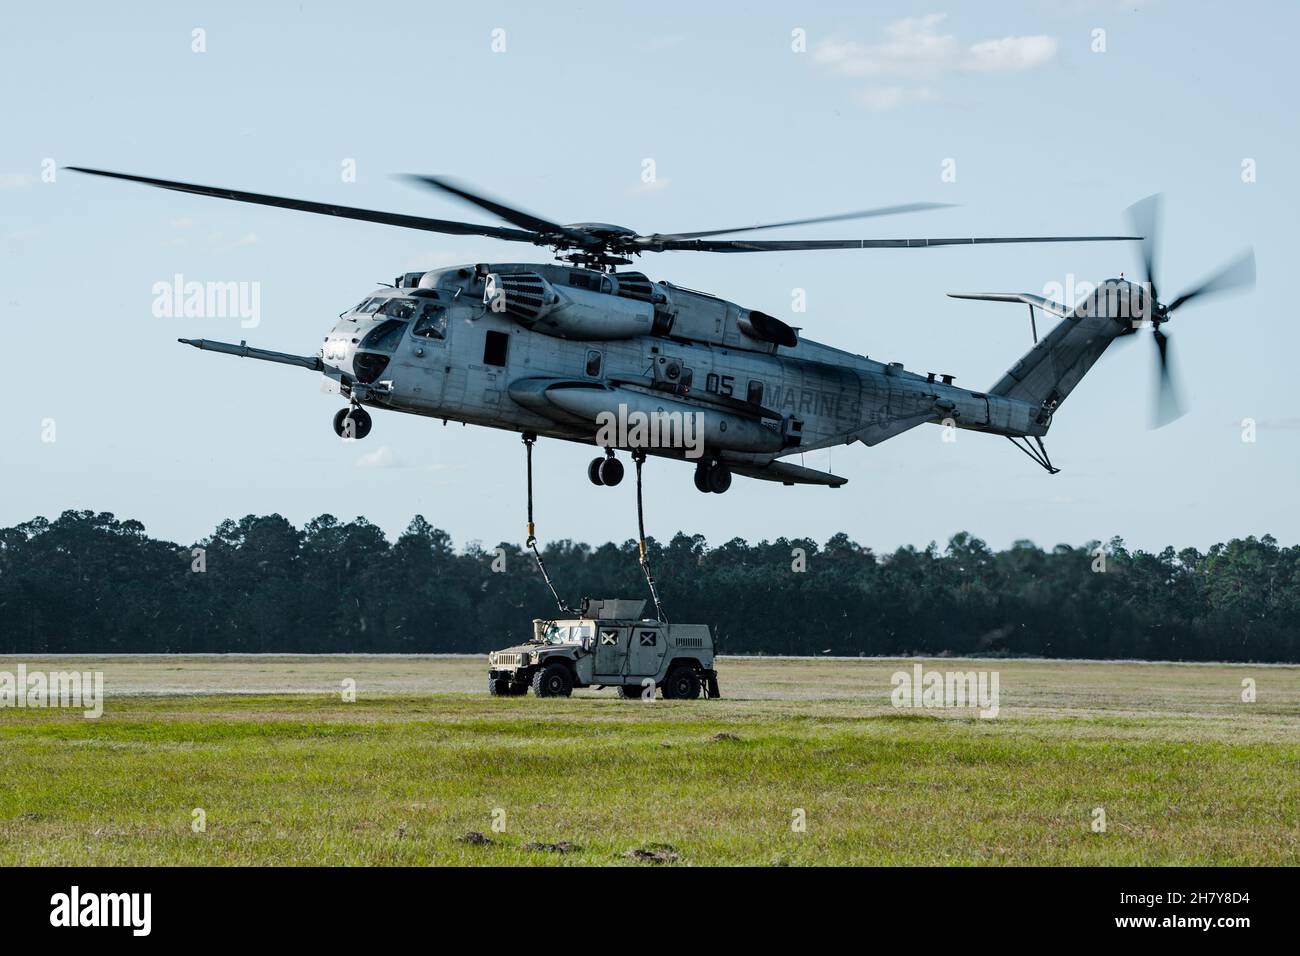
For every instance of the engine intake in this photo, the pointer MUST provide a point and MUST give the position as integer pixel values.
(571, 313)
(524, 295)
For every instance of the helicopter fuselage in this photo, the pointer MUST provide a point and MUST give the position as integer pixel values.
(550, 352)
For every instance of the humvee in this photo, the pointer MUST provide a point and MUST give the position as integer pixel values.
(608, 645)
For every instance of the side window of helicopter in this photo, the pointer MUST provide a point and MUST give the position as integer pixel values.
(432, 323)
(593, 363)
(495, 347)
(384, 336)
(399, 308)
(754, 393)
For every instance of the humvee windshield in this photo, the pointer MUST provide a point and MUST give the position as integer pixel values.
(565, 633)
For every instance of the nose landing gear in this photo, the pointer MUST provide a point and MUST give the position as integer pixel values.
(712, 477)
(352, 422)
(605, 471)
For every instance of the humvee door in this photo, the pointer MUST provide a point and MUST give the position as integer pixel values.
(611, 651)
(648, 649)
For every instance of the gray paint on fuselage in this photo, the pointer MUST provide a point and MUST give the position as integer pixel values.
(835, 393)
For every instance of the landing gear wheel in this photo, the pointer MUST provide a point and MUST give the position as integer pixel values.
(630, 691)
(702, 478)
(611, 472)
(359, 419)
(593, 471)
(719, 478)
(498, 686)
(554, 680)
(682, 684)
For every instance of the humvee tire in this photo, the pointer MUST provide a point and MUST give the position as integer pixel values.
(553, 680)
(498, 687)
(682, 683)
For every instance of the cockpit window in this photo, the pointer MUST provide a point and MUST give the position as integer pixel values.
(384, 336)
(432, 323)
(399, 308)
(370, 304)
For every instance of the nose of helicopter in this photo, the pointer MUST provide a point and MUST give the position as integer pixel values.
(338, 350)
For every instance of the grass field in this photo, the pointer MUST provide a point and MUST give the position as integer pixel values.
(286, 772)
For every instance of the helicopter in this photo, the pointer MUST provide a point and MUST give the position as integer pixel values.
(579, 349)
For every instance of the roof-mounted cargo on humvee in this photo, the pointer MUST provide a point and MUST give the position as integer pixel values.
(608, 645)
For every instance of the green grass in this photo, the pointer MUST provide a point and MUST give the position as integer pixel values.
(1186, 772)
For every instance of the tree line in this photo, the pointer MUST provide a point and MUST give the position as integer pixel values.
(90, 583)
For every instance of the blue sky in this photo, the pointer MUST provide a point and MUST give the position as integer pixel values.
(1047, 136)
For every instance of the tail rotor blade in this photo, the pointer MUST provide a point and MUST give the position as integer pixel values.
(1145, 218)
(1238, 273)
(1168, 406)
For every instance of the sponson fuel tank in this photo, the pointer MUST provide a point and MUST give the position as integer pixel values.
(583, 403)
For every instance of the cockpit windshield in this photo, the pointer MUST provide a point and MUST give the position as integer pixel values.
(400, 308)
(370, 304)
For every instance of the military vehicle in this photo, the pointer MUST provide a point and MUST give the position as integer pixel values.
(609, 644)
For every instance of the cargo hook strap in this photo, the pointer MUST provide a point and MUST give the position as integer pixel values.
(529, 438)
(639, 457)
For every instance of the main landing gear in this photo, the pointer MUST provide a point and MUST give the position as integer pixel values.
(605, 471)
(352, 422)
(712, 477)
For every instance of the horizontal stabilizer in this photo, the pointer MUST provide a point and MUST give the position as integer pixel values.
(1028, 298)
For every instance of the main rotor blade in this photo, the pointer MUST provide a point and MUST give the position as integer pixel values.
(1168, 406)
(450, 227)
(517, 217)
(864, 214)
(1237, 273)
(1144, 215)
(799, 245)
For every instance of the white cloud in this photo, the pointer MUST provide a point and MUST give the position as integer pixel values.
(1010, 54)
(913, 48)
(915, 54)
(381, 457)
(880, 99)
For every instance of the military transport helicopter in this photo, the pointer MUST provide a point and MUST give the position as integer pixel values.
(554, 349)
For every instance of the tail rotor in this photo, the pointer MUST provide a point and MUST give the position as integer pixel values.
(1239, 273)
